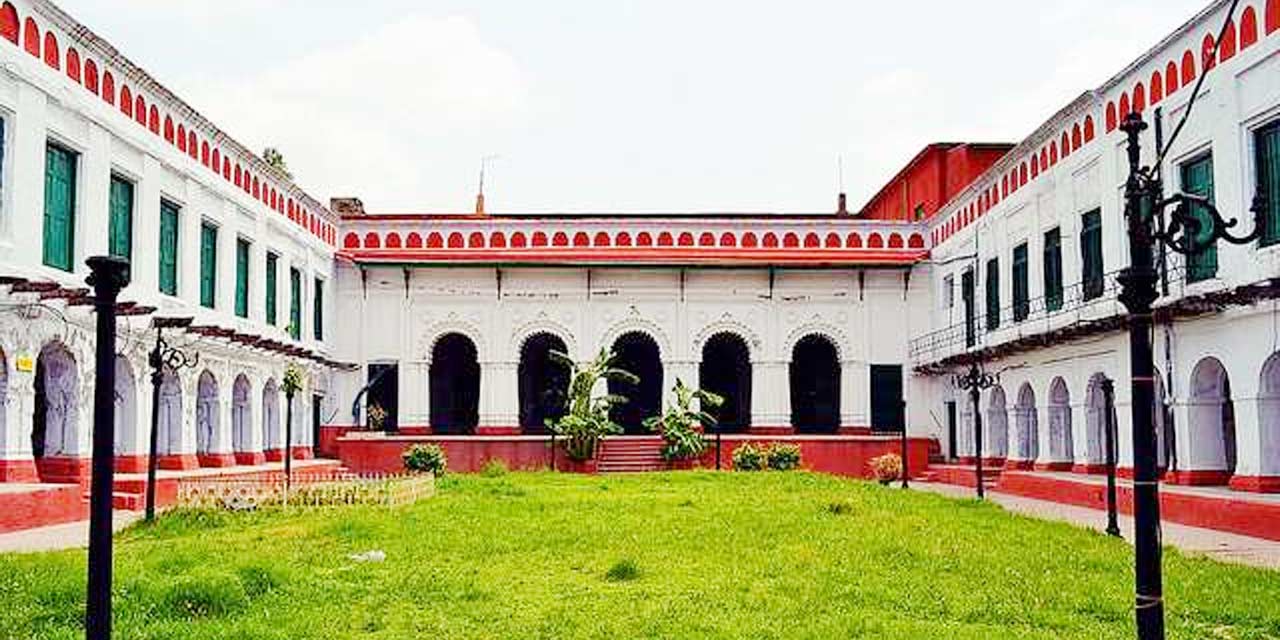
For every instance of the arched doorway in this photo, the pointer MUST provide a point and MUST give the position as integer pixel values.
(1027, 425)
(241, 417)
(726, 371)
(815, 385)
(1213, 424)
(57, 405)
(1095, 424)
(272, 442)
(1061, 448)
(638, 354)
(1269, 417)
(544, 382)
(454, 381)
(208, 409)
(126, 413)
(169, 422)
(997, 426)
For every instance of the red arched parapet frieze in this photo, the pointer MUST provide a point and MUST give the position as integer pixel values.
(168, 129)
(1112, 117)
(372, 241)
(52, 52)
(749, 240)
(73, 64)
(519, 240)
(1157, 87)
(393, 240)
(1139, 98)
(539, 239)
(706, 239)
(1188, 67)
(811, 240)
(727, 239)
(602, 239)
(916, 241)
(685, 239)
(623, 239)
(456, 241)
(580, 239)
(1207, 60)
(351, 241)
(414, 240)
(1248, 28)
(644, 239)
(91, 76)
(9, 22)
(875, 241)
(435, 240)
(1273, 16)
(126, 101)
(31, 37)
(475, 240)
(108, 91)
(498, 240)
(895, 241)
(833, 241)
(790, 241)
(560, 239)
(1227, 47)
(770, 240)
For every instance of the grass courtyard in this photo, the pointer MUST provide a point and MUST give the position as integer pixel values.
(684, 555)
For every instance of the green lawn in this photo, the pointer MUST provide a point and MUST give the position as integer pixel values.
(685, 555)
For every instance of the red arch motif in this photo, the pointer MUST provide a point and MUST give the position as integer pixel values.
(9, 22)
(498, 240)
(351, 241)
(1227, 46)
(435, 240)
(1188, 67)
(560, 239)
(916, 241)
(875, 241)
(91, 76)
(108, 87)
(372, 241)
(644, 239)
(706, 239)
(770, 240)
(728, 240)
(602, 239)
(73, 64)
(31, 37)
(393, 240)
(623, 239)
(1248, 28)
(1171, 78)
(1139, 98)
(580, 239)
(1273, 16)
(52, 53)
(811, 241)
(1157, 87)
(1207, 60)
(749, 240)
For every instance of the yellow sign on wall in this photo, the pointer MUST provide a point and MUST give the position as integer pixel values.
(24, 363)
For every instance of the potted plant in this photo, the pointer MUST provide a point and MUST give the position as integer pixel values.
(377, 417)
(425, 458)
(586, 419)
(886, 468)
(680, 425)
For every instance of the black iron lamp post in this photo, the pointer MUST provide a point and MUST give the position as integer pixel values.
(108, 276)
(1194, 225)
(292, 384)
(1109, 406)
(163, 356)
(974, 381)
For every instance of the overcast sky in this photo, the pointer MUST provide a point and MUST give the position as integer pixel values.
(623, 105)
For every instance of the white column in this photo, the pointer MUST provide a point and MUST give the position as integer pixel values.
(770, 394)
(1249, 442)
(92, 199)
(499, 404)
(855, 394)
(684, 370)
(1080, 432)
(414, 393)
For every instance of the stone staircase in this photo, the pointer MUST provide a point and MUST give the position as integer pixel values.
(961, 475)
(631, 454)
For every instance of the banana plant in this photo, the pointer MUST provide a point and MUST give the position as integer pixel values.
(586, 419)
(679, 422)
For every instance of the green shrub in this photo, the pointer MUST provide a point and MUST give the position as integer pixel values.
(679, 422)
(258, 579)
(204, 594)
(749, 457)
(494, 468)
(783, 457)
(425, 458)
(622, 571)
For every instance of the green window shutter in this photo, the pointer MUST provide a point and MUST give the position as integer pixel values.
(967, 294)
(1267, 149)
(208, 264)
(242, 277)
(1021, 284)
(271, 289)
(1197, 179)
(295, 304)
(168, 248)
(1053, 269)
(59, 207)
(1091, 255)
(120, 224)
(993, 294)
(317, 321)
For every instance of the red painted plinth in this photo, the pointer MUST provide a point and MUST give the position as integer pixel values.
(329, 434)
(216, 460)
(1019, 465)
(569, 465)
(1053, 466)
(274, 455)
(18, 471)
(131, 464)
(179, 462)
(993, 463)
(250, 458)
(1198, 478)
(65, 470)
(967, 461)
(303, 453)
(497, 431)
(840, 455)
(854, 431)
(1256, 484)
(1254, 517)
(418, 430)
(1091, 469)
(42, 507)
(770, 431)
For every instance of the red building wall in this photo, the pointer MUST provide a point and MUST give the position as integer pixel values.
(932, 178)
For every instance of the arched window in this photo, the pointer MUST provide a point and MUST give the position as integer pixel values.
(56, 415)
(1212, 422)
(242, 423)
(1248, 28)
(543, 381)
(725, 370)
(1188, 68)
(126, 412)
(1061, 448)
(1026, 447)
(1096, 422)
(996, 428)
(454, 385)
(637, 353)
(815, 385)
(208, 416)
